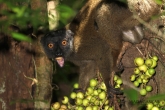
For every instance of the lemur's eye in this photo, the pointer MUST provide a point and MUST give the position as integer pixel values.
(64, 42)
(50, 45)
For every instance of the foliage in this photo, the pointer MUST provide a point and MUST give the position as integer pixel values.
(159, 2)
(67, 10)
(20, 37)
(20, 16)
(65, 13)
(132, 95)
(19, 13)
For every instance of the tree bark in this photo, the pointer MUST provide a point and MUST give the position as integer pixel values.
(43, 66)
(22, 63)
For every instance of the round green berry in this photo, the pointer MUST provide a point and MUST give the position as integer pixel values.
(149, 106)
(155, 58)
(79, 108)
(139, 61)
(102, 86)
(85, 102)
(154, 64)
(136, 83)
(78, 101)
(95, 92)
(148, 62)
(95, 108)
(73, 95)
(92, 99)
(143, 92)
(162, 103)
(97, 102)
(151, 71)
(80, 95)
(136, 70)
(102, 95)
(145, 81)
(143, 68)
(148, 88)
(155, 108)
(93, 82)
(115, 77)
(65, 100)
(76, 86)
(147, 73)
(119, 81)
(89, 90)
(133, 77)
(139, 80)
(88, 108)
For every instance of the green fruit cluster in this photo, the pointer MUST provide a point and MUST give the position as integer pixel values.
(118, 81)
(58, 106)
(156, 105)
(94, 98)
(145, 69)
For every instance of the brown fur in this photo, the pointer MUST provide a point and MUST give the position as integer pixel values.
(98, 36)
(99, 30)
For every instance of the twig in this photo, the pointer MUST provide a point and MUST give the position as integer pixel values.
(139, 51)
(35, 81)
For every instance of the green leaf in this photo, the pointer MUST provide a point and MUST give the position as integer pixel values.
(132, 95)
(159, 2)
(156, 97)
(65, 13)
(19, 11)
(21, 37)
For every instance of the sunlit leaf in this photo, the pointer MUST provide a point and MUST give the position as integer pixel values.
(65, 13)
(159, 2)
(19, 11)
(21, 37)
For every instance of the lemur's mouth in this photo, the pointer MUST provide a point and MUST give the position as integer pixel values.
(60, 61)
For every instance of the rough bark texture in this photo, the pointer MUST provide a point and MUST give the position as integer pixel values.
(43, 72)
(43, 66)
(15, 62)
(20, 62)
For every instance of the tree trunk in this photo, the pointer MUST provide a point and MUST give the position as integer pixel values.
(26, 72)
(43, 66)
(15, 64)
